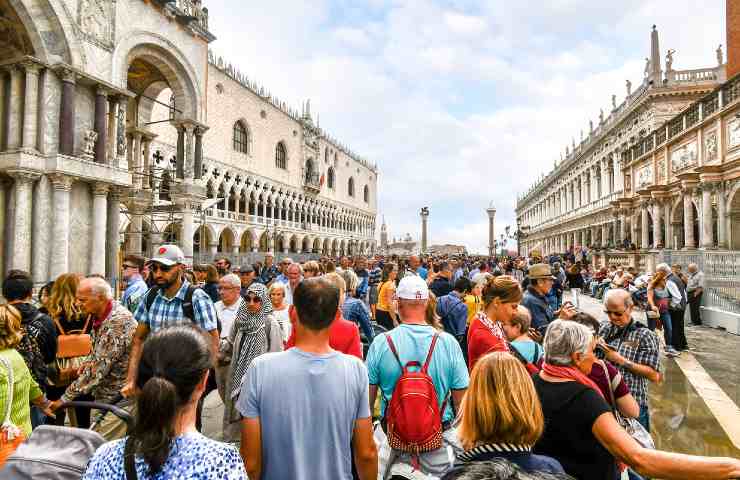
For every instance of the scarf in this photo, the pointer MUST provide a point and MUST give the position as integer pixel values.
(495, 328)
(253, 334)
(571, 373)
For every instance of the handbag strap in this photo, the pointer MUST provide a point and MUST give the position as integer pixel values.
(129, 460)
(609, 384)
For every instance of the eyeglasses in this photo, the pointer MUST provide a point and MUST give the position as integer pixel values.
(163, 268)
(613, 312)
(250, 299)
(129, 266)
(227, 288)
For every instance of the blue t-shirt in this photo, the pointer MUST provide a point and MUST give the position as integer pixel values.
(447, 367)
(530, 350)
(193, 456)
(307, 405)
(423, 272)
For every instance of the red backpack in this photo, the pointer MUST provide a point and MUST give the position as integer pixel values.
(413, 416)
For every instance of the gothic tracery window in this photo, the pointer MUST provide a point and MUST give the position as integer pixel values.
(280, 156)
(241, 138)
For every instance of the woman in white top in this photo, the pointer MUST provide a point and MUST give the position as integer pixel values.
(280, 309)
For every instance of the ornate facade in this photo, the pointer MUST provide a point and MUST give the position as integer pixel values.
(120, 130)
(660, 172)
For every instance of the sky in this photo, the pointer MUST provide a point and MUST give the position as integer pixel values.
(461, 103)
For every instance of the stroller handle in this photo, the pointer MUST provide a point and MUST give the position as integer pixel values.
(117, 411)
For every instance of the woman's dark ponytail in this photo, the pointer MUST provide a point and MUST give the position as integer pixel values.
(173, 362)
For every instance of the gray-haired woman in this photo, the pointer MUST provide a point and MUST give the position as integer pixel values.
(255, 332)
(580, 429)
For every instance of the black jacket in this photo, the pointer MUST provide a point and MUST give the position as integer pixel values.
(40, 326)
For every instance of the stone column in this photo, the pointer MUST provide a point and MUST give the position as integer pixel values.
(722, 220)
(13, 118)
(424, 220)
(136, 160)
(198, 162)
(21, 228)
(189, 151)
(180, 165)
(622, 228)
(41, 231)
(644, 226)
(605, 235)
(112, 235)
(111, 150)
(146, 170)
(187, 233)
(62, 185)
(100, 221)
(657, 225)
(491, 230)
(30, 107)
(707, 222)
(121, 142)
(688, 220)
(99, 124)
(668, 240)
(135, 231)
(67, 113)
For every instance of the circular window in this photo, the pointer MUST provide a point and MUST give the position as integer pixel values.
(219, 88)
(263, 114)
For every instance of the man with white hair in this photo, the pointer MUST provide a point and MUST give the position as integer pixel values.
(293, 276)
(677, 306)
(416, 340)
(229, 287)
(112, 334)
(631, 347)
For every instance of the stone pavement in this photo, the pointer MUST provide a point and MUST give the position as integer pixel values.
(682, 420)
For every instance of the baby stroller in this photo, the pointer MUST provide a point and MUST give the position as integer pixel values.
(58, 453)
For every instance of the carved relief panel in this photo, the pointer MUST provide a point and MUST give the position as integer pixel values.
(711, 147)
(96, 21)
(660, 171)
(644, 177)
(684, 156)
(733, 133)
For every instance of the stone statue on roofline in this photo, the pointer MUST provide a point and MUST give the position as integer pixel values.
(629, 88)
(669, 60)
(590, 125)
(647, 67)
(614, 102)
(720, 56)
(601, 115)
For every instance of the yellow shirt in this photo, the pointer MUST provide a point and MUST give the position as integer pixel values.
(474, 305)
(383, 303)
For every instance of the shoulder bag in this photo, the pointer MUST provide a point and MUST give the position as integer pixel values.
(74, 349)
(10, 435)
(631, 425)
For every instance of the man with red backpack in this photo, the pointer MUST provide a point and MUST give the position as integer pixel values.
(422, 378)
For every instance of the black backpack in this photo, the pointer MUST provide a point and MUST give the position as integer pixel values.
(30, 350)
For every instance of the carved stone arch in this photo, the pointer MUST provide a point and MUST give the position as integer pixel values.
(169, 60)
(41, 31)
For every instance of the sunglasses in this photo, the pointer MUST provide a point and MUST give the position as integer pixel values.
(613, 312)
(251, 299)
(129, 266)
(163, 268)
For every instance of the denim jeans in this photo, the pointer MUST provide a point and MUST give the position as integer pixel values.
(644, 417)
(37, 417)
(665, 317)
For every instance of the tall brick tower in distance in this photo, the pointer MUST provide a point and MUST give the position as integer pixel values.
(733, 37)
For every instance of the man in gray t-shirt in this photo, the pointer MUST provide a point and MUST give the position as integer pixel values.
(304, 407)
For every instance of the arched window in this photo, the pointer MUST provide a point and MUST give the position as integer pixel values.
(241, 138)
(351, 187)
(280, 156)
(330, 178)
(366, 194)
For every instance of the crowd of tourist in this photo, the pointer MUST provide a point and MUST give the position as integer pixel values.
(369, 368)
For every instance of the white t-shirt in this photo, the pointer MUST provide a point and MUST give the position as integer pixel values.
(227, 315)
(283, 319)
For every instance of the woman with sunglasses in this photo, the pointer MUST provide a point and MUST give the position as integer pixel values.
(255, 332)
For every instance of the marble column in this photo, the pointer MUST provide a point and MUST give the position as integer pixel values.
(658, 225)
(198, 161)
(644, 226)
(668, 240)
(67, 113)
(722, 220)
(100, 223)
(13, 118)
(41, 231)
(688, 220)
(62, 185)
(180, 165)
(23, 210)
(622, 228)
(136, 160)
(235, 251)
(147, 157)
(605, 235)
(187, 233)
(111, 150)
(112, 235)
(120, 140)
(135, 231)
(707, 220)
(30, 106)
(189, 151)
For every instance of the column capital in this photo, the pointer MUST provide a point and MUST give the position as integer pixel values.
(67, 74)
(100, 189)
(31, 66)
(24, 176)
(61, 182)
(101, 91)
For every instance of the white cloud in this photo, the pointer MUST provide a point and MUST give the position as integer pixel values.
(464, 107)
